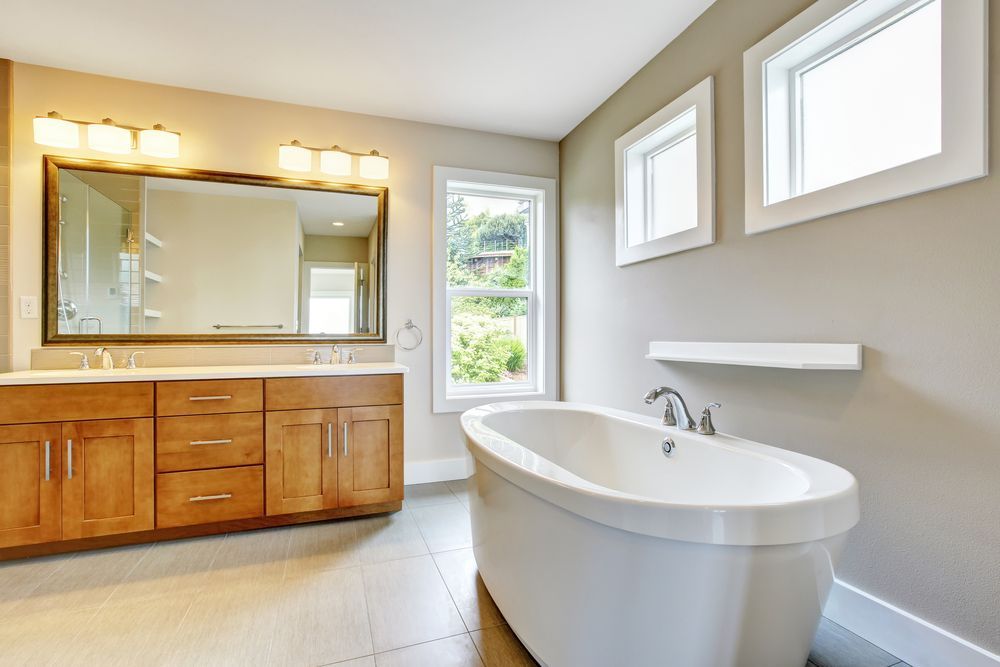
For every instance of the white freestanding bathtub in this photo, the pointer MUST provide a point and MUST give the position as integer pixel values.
(602, 551)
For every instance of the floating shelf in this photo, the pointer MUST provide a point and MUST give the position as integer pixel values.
(153, 240)
(154, 314)
(154, 277)
(804, 356)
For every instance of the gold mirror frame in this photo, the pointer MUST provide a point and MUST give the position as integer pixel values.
(52, 337)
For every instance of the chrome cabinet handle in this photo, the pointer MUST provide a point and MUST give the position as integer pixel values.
(224, 441)
(218, 496)
(329, 440)
(345, 438)
(48, 465)
(210, 398)
(69, 458)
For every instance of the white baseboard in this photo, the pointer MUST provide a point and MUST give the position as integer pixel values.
(436, 470)
(902, 634)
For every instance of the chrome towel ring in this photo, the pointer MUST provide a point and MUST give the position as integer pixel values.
(415, 333)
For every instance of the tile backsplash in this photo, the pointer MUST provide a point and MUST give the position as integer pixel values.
(51, 358)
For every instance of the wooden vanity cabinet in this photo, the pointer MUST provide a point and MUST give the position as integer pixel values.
(333, 442)
(89, 465)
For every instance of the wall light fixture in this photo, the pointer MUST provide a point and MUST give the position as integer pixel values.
(106, 136)
(335, 161)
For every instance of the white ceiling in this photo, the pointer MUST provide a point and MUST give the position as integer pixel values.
(532, 68)
(318, 210)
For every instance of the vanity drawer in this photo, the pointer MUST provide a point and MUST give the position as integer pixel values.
(209, 441)
(207, 496)
(75, 402)
(208, 397)
(334, 392)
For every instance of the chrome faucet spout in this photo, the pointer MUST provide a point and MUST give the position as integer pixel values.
(675, 412)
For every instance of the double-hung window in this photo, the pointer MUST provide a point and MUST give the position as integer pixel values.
(854, 103)
(495, 326)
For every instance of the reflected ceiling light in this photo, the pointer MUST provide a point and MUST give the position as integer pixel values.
(338, 224)
(294, 157)
(158, 142)
(107, 137)
(335, 162)
(374, 166)
(52, 130)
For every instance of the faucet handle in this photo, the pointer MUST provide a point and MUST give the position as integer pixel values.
(351, 354)
(84, 360)
(705, 427)
(316, 358)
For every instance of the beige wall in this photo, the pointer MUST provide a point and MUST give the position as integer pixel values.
(240, 134)
(915, 280)
(5, 299)
(335, 248)
(225, 260)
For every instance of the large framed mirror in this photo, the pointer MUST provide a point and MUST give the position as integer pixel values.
(159, 255)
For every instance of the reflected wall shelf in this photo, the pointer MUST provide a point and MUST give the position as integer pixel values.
(149, 312)
(153, 240)
(803, 356)
(153, 277)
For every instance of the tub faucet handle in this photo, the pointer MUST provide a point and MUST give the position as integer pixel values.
(705, 427)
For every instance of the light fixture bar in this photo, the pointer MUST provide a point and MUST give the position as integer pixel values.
(54, 130)
(333, 160)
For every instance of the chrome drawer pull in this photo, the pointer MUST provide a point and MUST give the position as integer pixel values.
(225, 441)
(345, 438)
(210, 398)
(69, 459)
(329, 440)
(48, 465)
(218, 496)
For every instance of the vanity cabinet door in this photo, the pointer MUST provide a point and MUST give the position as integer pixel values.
(29, 484)
(301, 460)
(107, 478)
(371, 455)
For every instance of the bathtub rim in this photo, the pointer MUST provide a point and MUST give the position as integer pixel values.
(829, 507)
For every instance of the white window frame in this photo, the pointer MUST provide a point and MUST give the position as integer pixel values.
(700, 99)
(770, 111)
(542, 294)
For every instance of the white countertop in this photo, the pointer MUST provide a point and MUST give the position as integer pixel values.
(73, 376)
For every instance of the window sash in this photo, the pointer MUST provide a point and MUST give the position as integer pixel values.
(796, 101)
(535, 318)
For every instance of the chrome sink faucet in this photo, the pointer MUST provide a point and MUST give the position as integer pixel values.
(107, 361)
(675, 413)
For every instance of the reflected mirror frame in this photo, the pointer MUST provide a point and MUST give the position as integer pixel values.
(50, 323)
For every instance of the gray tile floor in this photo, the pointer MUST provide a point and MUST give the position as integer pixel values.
(386, 591)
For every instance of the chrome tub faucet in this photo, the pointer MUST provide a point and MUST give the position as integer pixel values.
(675, 412)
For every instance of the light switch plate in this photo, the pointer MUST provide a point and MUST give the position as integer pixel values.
(29, 307)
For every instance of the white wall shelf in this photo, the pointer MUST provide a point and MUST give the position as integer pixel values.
(153, 240)
(804, 356)
(153, 277)
(149, 312)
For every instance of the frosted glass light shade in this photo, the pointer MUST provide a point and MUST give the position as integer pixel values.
(159, 143)
(374, 166)
(334, 162)
(294, 157)
(54, 131)
(108, 138)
